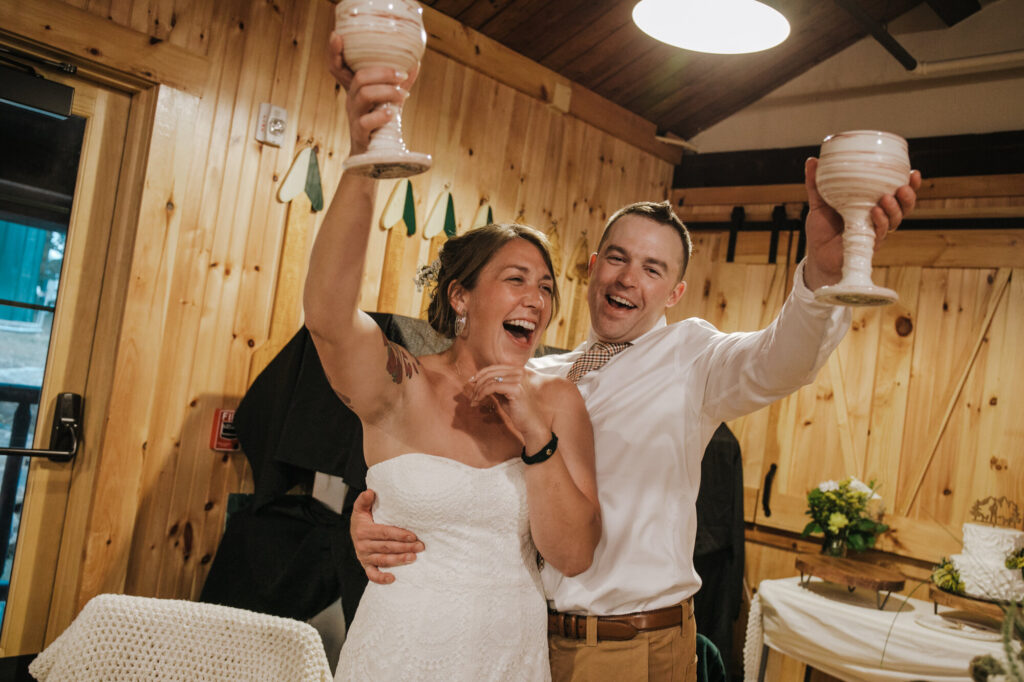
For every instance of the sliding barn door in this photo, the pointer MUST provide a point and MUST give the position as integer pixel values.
(921, 396)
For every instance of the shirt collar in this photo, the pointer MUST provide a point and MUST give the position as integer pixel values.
(660, 324)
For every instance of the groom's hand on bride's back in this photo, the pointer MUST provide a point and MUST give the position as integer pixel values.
(378, 546)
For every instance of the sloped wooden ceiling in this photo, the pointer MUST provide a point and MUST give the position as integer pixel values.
(596, 44)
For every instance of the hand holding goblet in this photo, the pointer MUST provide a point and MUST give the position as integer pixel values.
(855, 170)
(386, 33)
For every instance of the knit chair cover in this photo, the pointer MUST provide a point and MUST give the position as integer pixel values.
(119, 637)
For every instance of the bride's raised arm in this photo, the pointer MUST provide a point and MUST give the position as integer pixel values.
(363, 367)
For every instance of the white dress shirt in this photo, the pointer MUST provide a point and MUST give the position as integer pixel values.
(654, 407)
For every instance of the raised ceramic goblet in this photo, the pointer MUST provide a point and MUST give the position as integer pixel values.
(386, 33)
(855, 170)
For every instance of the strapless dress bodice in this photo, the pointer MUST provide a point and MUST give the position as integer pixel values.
(471, 607)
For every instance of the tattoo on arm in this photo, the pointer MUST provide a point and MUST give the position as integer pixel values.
(401, 363)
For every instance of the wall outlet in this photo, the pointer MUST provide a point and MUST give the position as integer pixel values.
(271, 125)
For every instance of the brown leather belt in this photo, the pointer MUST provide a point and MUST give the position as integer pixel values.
(621, 627)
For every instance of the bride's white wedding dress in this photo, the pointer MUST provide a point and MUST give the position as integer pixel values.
(471, 607)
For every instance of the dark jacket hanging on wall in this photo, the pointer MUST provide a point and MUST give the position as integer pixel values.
(289, 555)
(718, 554)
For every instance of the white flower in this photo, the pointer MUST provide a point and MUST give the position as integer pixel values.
(859, 486)
(826, 486)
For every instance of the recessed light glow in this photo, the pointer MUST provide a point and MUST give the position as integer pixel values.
(716, 26)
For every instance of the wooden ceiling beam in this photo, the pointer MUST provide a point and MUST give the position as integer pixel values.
(962, 187)
(982, 155)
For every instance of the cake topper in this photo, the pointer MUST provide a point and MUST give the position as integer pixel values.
(997, 511)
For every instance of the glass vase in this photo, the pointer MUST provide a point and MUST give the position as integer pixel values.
(833, 545)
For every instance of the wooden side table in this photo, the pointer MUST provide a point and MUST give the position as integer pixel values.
(851, 573)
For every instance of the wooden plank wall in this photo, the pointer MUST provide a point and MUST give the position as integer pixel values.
(918, 396)
(210, 296)
(877, 407)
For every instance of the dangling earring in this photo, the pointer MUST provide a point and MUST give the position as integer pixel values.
(460, 324)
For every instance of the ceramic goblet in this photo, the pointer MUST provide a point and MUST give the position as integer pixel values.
(855, 170)
(386, 33)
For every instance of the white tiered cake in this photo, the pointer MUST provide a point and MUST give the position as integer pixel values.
(982, 565)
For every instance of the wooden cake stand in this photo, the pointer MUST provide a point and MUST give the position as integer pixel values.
(969, 604)
(851, 573)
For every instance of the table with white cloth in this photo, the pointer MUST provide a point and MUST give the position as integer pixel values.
(846, 635)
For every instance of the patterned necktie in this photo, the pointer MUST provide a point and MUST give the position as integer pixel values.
(594, 358)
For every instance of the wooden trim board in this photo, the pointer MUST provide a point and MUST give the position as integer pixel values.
(82, 35)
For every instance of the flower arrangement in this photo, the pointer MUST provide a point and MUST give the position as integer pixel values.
(847, 513)
(1016, 560)
(947, 578)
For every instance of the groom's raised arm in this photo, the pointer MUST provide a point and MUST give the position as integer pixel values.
(378, 546)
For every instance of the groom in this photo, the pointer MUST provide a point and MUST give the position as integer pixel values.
(656, 393)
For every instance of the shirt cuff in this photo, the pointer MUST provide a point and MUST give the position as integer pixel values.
(804, 294)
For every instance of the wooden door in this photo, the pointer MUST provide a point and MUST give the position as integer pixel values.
(73, 363)
(919, 396)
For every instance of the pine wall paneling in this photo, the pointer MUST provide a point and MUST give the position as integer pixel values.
(876, 407)
(916, 392)
(213, 265)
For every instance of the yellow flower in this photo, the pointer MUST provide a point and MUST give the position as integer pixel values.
(837, 521)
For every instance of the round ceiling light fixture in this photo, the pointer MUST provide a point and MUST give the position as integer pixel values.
(716, 26)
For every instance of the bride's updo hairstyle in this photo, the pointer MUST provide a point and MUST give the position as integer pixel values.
(463, 257)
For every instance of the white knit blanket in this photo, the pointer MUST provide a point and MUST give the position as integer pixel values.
(119, 637)
(754, 644)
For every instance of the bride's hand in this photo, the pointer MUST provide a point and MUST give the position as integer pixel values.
(508, 387)
(371, 92)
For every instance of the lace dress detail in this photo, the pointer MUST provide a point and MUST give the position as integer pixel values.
(471, 607)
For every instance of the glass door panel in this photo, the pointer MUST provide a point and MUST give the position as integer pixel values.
(38, 172)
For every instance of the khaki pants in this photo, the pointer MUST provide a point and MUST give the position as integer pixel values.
(668, 655)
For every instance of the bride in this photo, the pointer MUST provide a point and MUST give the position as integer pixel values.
(487, 462)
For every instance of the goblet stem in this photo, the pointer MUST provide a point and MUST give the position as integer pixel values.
(389, 136)
(856, 287)
(858, 249)
(386, 156)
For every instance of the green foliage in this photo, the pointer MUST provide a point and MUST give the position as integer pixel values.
(1016, 560)
(984, 666)
(849, 510)
(947, 578)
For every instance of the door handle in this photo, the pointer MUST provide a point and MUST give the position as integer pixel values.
(766, 493)
(65, 432)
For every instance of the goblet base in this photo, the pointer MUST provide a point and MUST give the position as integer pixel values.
(856, 295)
(386, 163)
